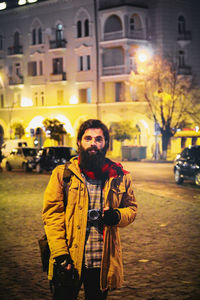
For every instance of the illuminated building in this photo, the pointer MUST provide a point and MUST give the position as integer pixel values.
(71, 59)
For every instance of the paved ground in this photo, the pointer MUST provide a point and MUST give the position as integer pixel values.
(161, 249)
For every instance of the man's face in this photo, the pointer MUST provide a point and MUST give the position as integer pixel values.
(92, 149)
(92, 140)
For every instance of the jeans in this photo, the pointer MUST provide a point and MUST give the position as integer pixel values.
(91, 283)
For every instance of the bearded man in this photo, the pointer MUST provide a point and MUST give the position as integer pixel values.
(83, 235)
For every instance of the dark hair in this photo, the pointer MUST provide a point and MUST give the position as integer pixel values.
(93, 123)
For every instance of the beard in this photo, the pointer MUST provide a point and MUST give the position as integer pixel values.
(92, 161)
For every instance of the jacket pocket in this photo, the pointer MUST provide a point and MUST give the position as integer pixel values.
(117, 195)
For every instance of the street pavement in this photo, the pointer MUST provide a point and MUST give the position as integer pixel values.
(161, 249)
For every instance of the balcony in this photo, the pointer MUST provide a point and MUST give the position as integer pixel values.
(15, 50)
(57, 44)
(185, 70)
(113, 70)
(58, 77)
(184, 38)
(15, 80)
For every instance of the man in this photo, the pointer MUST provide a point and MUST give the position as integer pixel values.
(84, 237)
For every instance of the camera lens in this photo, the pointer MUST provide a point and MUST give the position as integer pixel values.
(93, 214)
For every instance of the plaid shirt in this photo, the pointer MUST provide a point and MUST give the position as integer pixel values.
(94, 234)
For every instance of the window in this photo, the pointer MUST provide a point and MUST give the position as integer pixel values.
(1, 42)
(86, 27)
(36, 99)
(85, 95)
(181, 59)
(16, 39)
(40, 68)
(60, 97)
(32, 68)
(119, 91)
(132, 26)
(42, 98)
(80, 63)
(2, 101)
(58, 65)
(18, 69)
(84, 63)
(40, 35)
(79, 29)
(88, 62)
(34, 37)
(181, 25)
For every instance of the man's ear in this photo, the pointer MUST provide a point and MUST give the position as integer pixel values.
(79, 143)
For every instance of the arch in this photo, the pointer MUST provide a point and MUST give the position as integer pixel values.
(36, 31)
(82, 14)
(113, 23)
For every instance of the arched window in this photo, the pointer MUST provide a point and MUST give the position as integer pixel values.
(181, 25)
(40, 35)
(16, 39)
(113, 23)
(59, 32)
(86, 27)
(79, 29)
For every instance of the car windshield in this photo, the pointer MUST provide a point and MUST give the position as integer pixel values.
(63, 152)
(29, 151)
(196, 153)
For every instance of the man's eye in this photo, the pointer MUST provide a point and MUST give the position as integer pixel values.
(88, 138)
(99, 139)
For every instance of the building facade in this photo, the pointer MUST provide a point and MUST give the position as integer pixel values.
(71, 60)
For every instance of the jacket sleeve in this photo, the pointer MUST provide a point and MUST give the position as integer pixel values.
(53, 214)
(128, 205)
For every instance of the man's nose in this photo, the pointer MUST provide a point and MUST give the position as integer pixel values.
(93, 141)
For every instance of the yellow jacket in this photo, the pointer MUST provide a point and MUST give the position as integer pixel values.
(66, 230)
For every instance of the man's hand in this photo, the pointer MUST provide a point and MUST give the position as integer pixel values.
(111, 216)
(63, 270)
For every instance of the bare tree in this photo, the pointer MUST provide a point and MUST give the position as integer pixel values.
(173, 99)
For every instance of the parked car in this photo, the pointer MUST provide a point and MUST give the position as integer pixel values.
(9, 145)
(21, 158)
(187, 165)
(49, 157)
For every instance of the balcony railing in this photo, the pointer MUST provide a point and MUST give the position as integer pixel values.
(16, 79)
(185, 70)
(15, 50)
(58, 77)
(57, 44)
(113, 35)
(185, 36)
(114, 70)
(137, 34)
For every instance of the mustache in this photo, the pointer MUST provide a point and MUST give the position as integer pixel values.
(92, 148)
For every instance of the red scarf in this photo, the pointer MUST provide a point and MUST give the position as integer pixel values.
(109, 169)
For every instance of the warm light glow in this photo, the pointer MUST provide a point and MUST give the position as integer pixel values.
(21, 2)
(1, 81)
(73, 100)
(26, 102)
(35, 122)
(2, 5)
(32, 1)
(142, 57)
(66, 124)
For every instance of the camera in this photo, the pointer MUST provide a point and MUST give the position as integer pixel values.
(94, 214)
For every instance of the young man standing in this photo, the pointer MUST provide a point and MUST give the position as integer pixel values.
(84, 236)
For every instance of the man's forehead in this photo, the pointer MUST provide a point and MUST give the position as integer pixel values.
(94, 132)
